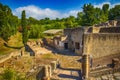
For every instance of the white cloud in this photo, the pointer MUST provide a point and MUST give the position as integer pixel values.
(39, 13)
(101, 4)
(115, 4)
(110, 5)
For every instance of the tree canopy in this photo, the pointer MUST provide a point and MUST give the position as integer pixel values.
(24, 28)
(8, 22)
(89, 16)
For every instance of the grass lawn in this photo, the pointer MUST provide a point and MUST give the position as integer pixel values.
(47, 56)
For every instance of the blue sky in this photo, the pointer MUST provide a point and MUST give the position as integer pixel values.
(52, 8)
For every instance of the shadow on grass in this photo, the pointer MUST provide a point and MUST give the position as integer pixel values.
(12, 46)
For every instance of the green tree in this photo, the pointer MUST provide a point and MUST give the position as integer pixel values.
(88, 18)
(24, 28)
(114, 12)
(32, 20)
(104, 13)
(8, 22)
(79, 18)
(97, 15)
(36, 31)
(68, 23)
(59, 25)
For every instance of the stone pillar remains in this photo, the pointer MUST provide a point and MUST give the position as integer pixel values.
(85, 66)
(53, 65)
(47, 72)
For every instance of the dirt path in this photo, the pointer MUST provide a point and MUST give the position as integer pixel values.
(70, 66)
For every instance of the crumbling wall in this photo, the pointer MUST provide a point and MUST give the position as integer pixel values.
(38, 73)
(77, 37)
(10, 55)
(103, 30)
(93, 30)
(96, 29)
(59, 42)
(118, 23)
(99, 45)
(48, 42)
(110, 30)
(67, 31)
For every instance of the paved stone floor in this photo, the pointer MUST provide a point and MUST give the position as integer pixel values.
(67, 74)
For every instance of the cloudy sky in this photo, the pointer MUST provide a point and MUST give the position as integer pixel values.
(40, 9)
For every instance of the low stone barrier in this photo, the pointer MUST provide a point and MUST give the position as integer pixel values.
(10, 55)
(42, 72)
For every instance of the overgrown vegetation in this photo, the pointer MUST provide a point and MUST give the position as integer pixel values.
(15, 42)
(10, 74)
(36, 31)
(9, 24)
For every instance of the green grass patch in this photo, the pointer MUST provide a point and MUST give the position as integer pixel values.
(4, 50)
(15, 42)
(47, 56)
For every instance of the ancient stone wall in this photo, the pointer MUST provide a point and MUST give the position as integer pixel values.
(37, 73)
(59, 42)
(67, 31)
(77, 39)
(110, 30)
(8, 56)
(48, 42)
(103, 30)
(99, 45)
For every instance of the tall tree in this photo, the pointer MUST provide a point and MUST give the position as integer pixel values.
(97, 15)
(105, 8)
(79, 18)
(88, 17)
(8, 22)
(114, 12)
(36, 31)
(104, 13)
(68, 23)
(24, 28)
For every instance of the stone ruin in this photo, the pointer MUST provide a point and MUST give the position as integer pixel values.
(110, 23)
(42, 72)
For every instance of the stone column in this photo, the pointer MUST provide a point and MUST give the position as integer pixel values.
(53, 65)
(85, 66)
(47, 72)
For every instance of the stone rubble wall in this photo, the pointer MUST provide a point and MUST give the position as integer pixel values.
(10, 55)
(99, 45)
(110, 30)
(42, 72)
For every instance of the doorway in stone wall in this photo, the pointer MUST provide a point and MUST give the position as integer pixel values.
(65, 45)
